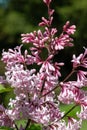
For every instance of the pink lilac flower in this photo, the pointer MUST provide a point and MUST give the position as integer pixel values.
(68, 92)
(47, 1)
(47, 113)
(44, 113)
(81, 99)
(76, 60)
(45, 22)
(82, 77)
(81, 60)
(35, 98)
(4, 118)
(60, 42)
(37, 38)
(47, 66)
(69, 29)
(20, 79)
(73, 124)
(83, 113)
(46, 82)
(13, 56)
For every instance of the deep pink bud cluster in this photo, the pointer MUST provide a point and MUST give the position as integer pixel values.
(69, 29)
(35, 91)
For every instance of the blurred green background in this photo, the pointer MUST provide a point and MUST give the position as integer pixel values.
(23, 16)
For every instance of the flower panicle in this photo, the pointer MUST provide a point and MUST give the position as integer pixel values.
(35, 87)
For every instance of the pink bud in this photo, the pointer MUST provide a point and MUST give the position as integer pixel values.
(47, 1)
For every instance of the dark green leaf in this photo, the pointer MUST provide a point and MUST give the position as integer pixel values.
(34, 127)
(5, 128)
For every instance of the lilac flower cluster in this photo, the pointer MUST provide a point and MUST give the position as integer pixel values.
(35, 91)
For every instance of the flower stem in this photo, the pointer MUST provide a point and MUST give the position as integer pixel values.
(68, 76)
(69, 111)
(50, 91)
(73, 70)
(16, 127)
(27, 124)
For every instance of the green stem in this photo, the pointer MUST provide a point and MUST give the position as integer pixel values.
(27, 125)
(16, 126)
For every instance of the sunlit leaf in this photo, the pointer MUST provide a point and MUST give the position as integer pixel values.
(4, 89)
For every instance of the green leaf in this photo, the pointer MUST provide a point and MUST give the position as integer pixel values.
(66, 108)
(21, 122)
(35, 127)
(4, 89)
(84, 125)
(5, 128)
